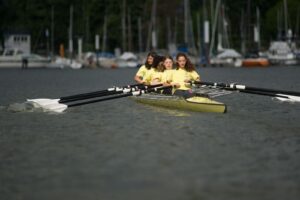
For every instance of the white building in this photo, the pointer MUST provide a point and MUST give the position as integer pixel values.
(20, 41)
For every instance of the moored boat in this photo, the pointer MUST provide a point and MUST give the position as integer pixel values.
(196, 104)
(255, 62)
(227, 58)
(16, 58)
(281, 53)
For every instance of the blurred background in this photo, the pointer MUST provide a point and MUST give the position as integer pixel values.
(201, 28)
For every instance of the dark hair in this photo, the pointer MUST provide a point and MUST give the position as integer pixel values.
(188, 65)
(152, 54)
(161, 67)
(157, 60)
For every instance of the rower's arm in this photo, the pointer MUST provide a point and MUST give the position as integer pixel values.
(138, 79)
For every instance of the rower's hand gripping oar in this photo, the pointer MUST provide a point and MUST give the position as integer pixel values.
(283, 95)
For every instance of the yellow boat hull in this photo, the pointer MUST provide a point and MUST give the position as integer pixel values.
(196, 104)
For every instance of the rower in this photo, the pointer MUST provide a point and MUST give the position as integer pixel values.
(155, 70)
(164, 73)
(184, 73)
(145, 69)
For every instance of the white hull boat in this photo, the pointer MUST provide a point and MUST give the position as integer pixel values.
(17, 59)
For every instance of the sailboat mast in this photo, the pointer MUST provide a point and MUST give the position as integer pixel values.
(124, 25)
(211, 10)
(71, 33)
(169, 36)
(140, 34)
(285, 19)
(186, 22)
(206, 33)
(52, 32)
(198, 33)
(278, 25)
(248, 27)
(225, 28)
(214, 27)
(297, 25)
(104, 39)
(129, 30)
(242, 29)
(258, 27)
(175, 31)
(154, 34)
(87, 26)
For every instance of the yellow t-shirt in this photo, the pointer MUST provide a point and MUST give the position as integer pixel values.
(167, 76)
(142, 71)
(156, 75)
(148, 77)
(162, 77)
(180, 75)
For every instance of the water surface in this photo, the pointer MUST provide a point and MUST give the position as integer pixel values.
(119, 149)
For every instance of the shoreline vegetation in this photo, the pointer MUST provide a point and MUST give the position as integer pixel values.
(127, 24)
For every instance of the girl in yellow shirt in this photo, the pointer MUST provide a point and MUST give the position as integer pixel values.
(185, 71)
(144, 70)
(164, 73)
(149, 76)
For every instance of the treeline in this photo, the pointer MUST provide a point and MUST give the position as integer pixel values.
(36, 17)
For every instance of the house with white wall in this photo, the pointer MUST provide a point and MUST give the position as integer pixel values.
(18, 40)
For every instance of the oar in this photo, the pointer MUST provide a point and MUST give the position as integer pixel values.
(279, 94)
(110, 91)
(106, 91)
(76, 97)
(60, 107)
(244, 87)
(282, 97)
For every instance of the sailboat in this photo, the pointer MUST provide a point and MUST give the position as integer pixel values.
(254, 58)
(62, 62)
(281, 52)
(226, 56)
(14, 58)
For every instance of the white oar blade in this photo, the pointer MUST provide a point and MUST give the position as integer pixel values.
(43, 101)
(290, 98)
(52, 105)
(58, 107)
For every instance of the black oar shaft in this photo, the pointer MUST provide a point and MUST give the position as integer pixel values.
(106, 92)
(247, 88)
(272, 91)
(96, 92)
(102, 99)
(83, 95)
(264, 93)
(149, 89)
(92, 95)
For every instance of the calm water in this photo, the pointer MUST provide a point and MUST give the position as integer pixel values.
(121, 150)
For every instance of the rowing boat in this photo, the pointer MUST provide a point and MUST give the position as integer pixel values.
(196, 104)
(150, 95)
